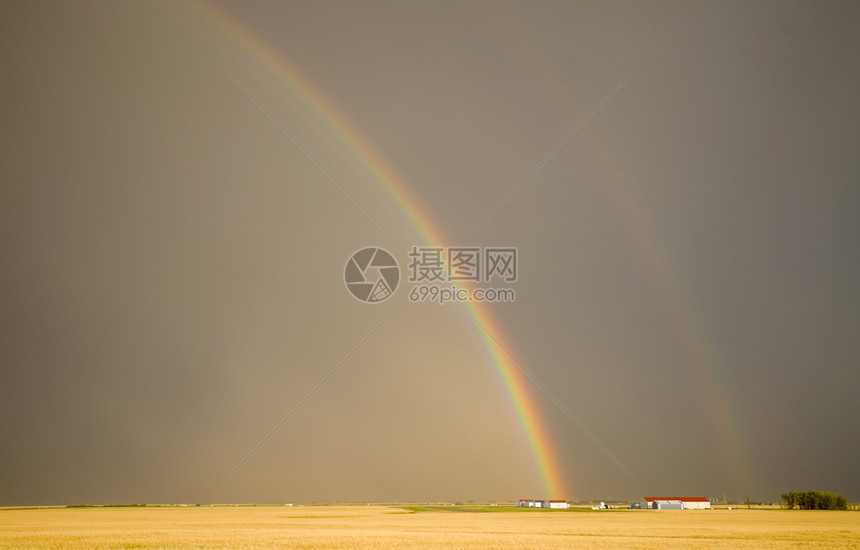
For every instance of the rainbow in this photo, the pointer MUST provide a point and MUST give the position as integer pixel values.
(640, 231)
(515, 383)
(699, 353)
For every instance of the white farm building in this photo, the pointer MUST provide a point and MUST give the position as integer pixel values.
(553, 504)
(676, 503)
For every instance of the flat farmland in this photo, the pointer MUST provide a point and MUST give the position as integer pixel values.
(263, 527)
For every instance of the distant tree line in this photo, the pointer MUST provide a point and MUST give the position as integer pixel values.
(814, 500)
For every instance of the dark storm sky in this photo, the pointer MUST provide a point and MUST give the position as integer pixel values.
(172, 280)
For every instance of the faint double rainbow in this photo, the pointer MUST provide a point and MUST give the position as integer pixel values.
(701, 354)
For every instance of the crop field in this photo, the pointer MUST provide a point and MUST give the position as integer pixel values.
(263, 527)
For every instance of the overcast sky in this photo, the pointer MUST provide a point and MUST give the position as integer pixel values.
(172, 274)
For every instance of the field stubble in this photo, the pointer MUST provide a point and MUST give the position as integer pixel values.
(321, 527)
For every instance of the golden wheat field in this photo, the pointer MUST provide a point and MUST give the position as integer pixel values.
(264, 527)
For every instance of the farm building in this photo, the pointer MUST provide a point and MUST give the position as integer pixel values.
(554, 504)
(676, 503)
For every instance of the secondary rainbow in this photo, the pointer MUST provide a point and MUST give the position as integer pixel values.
(700, 355)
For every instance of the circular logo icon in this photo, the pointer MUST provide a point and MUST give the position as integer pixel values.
(371, 275)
